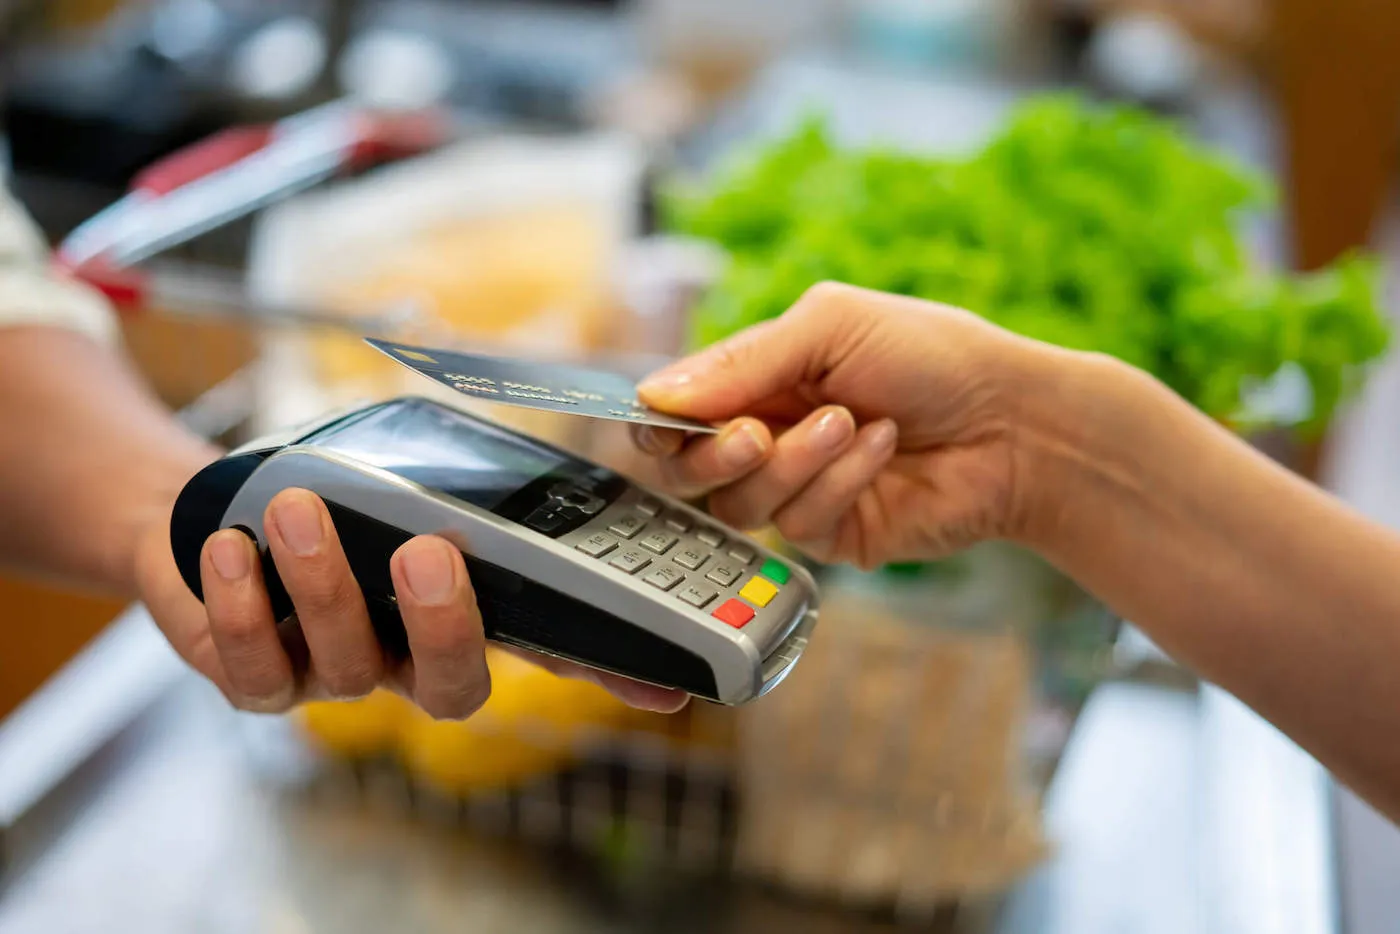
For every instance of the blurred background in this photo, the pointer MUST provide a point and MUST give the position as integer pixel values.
(1199, 186)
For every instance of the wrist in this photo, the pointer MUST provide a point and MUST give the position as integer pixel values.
(150, 498)
(1077, 423)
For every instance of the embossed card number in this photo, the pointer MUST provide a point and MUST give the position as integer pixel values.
(550, 387)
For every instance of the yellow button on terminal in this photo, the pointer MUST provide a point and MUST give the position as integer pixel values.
(759, 592)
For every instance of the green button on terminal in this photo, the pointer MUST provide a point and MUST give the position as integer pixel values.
(775, 571)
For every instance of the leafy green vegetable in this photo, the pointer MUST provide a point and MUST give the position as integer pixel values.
(1100, 229)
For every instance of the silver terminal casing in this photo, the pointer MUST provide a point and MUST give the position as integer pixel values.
(595, 564)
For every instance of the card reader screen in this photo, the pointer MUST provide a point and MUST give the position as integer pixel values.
(441, 450)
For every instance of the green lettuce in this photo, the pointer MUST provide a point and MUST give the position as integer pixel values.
(1096, 228)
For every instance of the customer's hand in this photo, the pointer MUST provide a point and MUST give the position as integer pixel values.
(234, 641)
(866, 427)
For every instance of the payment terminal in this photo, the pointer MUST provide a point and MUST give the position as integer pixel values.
(567, 558)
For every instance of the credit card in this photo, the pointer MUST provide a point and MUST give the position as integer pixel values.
(551, 387)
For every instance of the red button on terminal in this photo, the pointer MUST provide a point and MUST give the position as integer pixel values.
(735, 613)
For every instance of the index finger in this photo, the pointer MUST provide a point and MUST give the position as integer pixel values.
(762, 363)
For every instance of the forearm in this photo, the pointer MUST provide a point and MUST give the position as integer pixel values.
(1255, 578)
(88, 458)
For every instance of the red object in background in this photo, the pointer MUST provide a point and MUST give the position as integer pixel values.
(126, 289)
(219, 151)
(228, 176)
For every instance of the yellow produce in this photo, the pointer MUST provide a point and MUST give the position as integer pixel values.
(533, 724)
(355, 729)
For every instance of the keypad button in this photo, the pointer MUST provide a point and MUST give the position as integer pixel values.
(664, 578)
(630, 561)
(659, 542)
(544, 520)
(627, 526)
(691, 558)
(742, 553)
(775, 571)
(649, 506)
(595, 546)
(759, 591)
(711, 537)
(735, 613)
(679, 521)
(697, 596)
(568, 513)
(723, 574)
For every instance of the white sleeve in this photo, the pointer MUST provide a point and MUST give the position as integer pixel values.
(30, 293)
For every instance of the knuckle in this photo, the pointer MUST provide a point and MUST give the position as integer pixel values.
(797, 526)
(726, 356)
(320, 589)
(447, 639)
(259, 676)
(728, 507)
(347, 687)
(237, 626)
(352, 677)
(823, 297)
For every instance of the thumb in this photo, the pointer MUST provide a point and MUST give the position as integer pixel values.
(757, 364)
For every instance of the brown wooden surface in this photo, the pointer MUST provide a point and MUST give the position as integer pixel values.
(40, 629)
(184, 357)
(1335, 68)
(70, 14)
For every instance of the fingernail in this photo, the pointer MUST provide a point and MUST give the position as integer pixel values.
(833, 429)
(429, 572)
(229, 554)
(882, 435)
(742, 446)
(278, 702)
(299, 523)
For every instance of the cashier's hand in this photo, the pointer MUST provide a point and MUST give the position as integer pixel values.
(866, 427)
(233, 640)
